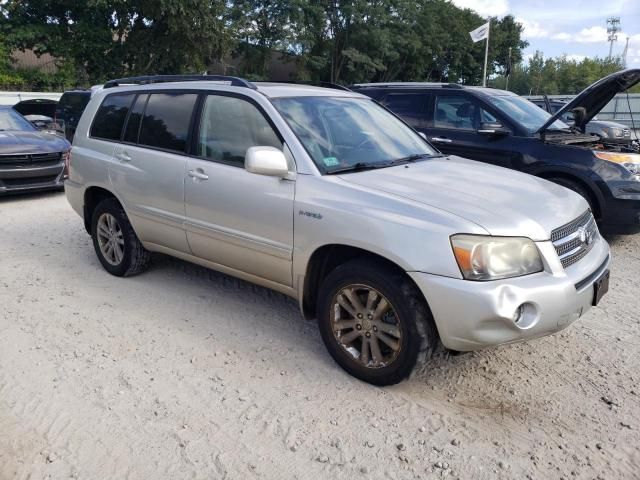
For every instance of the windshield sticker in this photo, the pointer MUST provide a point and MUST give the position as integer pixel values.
(330, 161)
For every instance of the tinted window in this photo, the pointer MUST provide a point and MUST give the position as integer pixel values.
(74, 102)
(229, 126)
(453, 111)
(409, 106)
(110, 117)
(166, 121)
(133, 124)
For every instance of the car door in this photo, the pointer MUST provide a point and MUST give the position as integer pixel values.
(456, 130)
(235, 218)
(150, 163)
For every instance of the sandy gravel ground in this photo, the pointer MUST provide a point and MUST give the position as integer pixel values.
(185, 373)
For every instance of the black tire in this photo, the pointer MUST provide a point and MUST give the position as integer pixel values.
(135, 258)
(419, 335)
(575, 187)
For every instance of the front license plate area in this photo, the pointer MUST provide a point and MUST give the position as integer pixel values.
(600, 287)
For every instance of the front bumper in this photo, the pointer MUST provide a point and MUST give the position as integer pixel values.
(473, 315)
(31, 178)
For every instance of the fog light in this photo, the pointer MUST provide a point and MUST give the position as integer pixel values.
(526, 316)
(517, 316)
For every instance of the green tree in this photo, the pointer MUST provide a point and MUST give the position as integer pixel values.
(107, 38)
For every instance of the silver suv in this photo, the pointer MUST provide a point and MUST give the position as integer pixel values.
(324, 195)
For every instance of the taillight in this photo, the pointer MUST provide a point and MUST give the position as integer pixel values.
(66, 156)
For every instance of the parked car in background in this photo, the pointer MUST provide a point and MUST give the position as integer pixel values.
(29, 159)
(327, 197)
(609, 132)
(40, 112)
(69, 110)
(501, 128)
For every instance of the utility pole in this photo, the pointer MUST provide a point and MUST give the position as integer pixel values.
(624, 54)
(509, 69)
(613, 27)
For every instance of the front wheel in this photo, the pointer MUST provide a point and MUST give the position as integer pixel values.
(116, 244)
(374, 322)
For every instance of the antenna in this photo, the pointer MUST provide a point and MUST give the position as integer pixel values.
(613, 27)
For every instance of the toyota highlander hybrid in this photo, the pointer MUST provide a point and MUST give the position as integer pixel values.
(326, 196)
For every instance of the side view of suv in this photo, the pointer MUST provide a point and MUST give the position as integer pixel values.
(504, 129)
(327, 197)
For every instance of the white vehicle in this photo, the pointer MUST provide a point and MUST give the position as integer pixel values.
(326, 196)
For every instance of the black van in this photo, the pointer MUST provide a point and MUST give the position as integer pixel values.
(69, 110)
(501, 128)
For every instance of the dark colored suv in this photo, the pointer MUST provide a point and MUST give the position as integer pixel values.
(69, 110)
(501, 128)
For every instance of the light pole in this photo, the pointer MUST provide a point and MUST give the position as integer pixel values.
(613, 27)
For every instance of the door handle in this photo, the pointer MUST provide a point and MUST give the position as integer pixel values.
(440, 140)
(123, 157)
(198, 174)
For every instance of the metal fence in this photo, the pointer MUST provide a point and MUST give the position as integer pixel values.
(624, 108)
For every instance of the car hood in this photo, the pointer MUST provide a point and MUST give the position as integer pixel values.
(13, 142)
(596, 96)
(502, 201)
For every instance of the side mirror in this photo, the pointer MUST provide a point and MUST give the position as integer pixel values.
(266, 161)
(492, 128)
(423, 135)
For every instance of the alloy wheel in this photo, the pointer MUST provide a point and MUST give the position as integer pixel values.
(366, 326)
(110, 239)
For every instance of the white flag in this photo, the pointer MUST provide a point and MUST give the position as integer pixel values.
(480, 33)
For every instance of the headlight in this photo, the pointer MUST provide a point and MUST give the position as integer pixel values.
(630, 161)
(613, 132)
(492, 258)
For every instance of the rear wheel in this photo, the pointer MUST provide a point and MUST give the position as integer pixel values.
(116, 244)
(374, 322)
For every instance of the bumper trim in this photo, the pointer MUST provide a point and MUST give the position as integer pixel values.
(590, 279)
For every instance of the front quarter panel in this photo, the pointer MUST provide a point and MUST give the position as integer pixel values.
(330, 211)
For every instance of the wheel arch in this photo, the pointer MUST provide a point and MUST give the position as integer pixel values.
(324, 260)
(92, 197)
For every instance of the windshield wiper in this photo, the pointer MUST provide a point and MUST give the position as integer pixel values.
(360, 166)
(415, 157)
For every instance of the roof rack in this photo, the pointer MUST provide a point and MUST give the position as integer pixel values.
(311, 83)
(148, 79)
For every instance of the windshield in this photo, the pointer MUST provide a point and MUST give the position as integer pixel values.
(525, 113)
(12, 120)
(344, 133)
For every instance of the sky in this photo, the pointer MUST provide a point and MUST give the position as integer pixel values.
(574, 28)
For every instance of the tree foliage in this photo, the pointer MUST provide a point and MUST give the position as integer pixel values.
(560, 75)
(331, 40)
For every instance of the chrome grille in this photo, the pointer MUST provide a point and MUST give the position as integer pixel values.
(626, 133)
(575, 239)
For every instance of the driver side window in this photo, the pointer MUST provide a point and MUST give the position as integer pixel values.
(460, 113)
(229, 126)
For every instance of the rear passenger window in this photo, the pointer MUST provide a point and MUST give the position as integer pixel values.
(110, 117)
(133, 124)
(166, 121)
(229, 126)
(411, 107)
